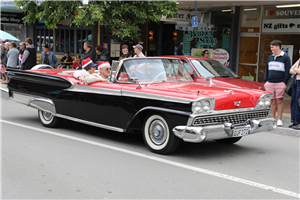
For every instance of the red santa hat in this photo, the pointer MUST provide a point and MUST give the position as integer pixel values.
(88, 63)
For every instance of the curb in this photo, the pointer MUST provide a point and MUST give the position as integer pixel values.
(287, 132)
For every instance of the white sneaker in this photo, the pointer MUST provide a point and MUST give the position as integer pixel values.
(279, 122)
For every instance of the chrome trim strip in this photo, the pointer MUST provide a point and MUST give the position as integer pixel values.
(4, 93)
(22, 98)
(43, 104)
(155, 97)
(91, 123)
(94, 90)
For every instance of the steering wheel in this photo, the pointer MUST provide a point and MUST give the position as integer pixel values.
(158, 75)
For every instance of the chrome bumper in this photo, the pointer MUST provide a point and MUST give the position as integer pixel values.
(197, 134)
(4, 92)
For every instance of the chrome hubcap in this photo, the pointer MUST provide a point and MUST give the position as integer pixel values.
(157, 132)
(47, 116)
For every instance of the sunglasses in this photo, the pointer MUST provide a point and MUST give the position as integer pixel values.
(206, 53)
(108, 69)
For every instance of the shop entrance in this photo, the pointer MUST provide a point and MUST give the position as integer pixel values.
(248, 56)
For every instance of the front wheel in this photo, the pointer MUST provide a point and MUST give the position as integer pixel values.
(48, 119)
(229, 140)
(157, 135)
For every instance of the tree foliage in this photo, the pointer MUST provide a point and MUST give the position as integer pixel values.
(121, 17)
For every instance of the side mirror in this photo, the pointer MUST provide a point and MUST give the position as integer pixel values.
(192, 74)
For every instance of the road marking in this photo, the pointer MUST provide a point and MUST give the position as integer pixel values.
(177, 164)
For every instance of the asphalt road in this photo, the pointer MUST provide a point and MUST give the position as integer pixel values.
(78, 161)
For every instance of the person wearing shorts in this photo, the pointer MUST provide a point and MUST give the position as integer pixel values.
(276, 77)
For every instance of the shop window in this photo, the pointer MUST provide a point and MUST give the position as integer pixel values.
(65, 40)
(44, 36)
(82, 36)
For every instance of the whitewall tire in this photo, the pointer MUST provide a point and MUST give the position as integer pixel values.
(48, 119)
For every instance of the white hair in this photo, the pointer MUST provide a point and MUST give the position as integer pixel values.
(7, 43)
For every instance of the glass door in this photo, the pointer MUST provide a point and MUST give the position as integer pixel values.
(248, 56)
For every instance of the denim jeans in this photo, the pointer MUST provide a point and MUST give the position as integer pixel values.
(295, 107)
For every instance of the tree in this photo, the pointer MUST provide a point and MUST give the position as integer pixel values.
(121, 17)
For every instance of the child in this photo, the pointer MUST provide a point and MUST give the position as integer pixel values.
(3, 77)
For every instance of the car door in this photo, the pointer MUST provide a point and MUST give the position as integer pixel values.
(99, 103)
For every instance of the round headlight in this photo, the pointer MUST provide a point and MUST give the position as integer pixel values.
(206, 106)
(197, 107)
(261, 103)
(267, 101)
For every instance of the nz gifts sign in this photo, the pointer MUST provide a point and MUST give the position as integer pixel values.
(205, 38)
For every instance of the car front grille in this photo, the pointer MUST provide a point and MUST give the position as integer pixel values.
(236, 118)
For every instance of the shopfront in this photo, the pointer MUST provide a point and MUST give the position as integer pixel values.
(12, 23)
(212, 32)
(259, 26)
(279, 24)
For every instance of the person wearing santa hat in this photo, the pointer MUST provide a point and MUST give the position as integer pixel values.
(86, 64)
(104, 73)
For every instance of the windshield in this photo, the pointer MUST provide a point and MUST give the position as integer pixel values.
(153, 70)
(211, 68)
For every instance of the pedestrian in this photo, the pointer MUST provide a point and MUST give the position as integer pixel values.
(102, 54)
(205, 54)
(3, 55)
(47, 56)
(21, 52)
(138, 51)
(180, 49)
(276, 77)
(67, 58)
(87, 46)
(126, 53)
(4, 63)
(295, 107)
(29, 56)
(12, 56)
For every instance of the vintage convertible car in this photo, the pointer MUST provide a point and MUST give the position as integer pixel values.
(155, 96)
(205, 70)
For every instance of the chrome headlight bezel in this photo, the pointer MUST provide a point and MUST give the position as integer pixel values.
(203, 105)
(264, 101)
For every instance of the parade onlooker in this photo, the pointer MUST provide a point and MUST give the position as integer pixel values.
(78, 61)
(48, 57)
(276, 77)
(138, 51)
(29, 56)
(180, 49)
(87, 46)
(3, 55)
(21, 52)
(12, 56)
(295, 107)
(102, 54)
(125, 51)
(205, 54)
(67, 58)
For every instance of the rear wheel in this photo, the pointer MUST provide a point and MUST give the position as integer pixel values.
(49, 120)
(229, 140)
(157, 135)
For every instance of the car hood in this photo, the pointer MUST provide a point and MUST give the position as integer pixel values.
(224, 96)
(236, 82)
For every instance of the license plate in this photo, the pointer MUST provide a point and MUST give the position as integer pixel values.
(239, 132)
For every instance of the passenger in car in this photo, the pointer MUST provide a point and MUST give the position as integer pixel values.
(104, 72)
(82, 74)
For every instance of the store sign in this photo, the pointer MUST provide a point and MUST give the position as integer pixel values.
(220, 55)
(281, 25)
(15, 18)
(205, 37)
(182, 16)
(276, 13)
